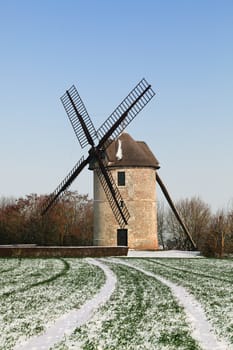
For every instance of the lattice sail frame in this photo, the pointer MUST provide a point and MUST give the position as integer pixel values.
(74, 107)
(64, 185)
(127, 110)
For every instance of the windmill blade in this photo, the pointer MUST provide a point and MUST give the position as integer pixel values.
(177, 215)
(125, 113)
(78, 116)
(53, 198)
(113, 195)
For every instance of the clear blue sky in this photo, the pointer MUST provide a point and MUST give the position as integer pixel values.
(183, 48)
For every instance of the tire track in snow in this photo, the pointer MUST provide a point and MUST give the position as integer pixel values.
(66, 324)
(52, 278)
(202, 331)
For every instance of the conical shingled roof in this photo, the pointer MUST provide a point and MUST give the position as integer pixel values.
(126, 152)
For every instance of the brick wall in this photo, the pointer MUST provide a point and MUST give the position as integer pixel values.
(71, 252)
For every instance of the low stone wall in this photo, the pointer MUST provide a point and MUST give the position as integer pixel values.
(30, 251)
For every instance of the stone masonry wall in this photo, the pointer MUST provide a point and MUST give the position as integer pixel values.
(139, 194)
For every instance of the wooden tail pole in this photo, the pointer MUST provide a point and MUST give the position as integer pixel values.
(172, 205)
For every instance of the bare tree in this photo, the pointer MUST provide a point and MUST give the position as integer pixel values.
(219, 240)
(229, 236)
(161, 223)
(196, 215)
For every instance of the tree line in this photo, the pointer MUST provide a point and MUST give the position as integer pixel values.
(70, 222)
(212, 233)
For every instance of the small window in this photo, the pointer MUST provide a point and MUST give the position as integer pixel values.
(121, 178)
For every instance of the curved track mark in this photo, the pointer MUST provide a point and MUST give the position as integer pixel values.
(201, 328)
(66, 324)
(47, 280)
(189, 271)
(12, 267)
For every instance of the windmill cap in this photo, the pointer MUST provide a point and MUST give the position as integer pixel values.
(126, 152)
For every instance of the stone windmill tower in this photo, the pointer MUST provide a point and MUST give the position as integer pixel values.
(133, 167)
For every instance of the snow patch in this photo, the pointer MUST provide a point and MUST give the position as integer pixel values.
(163, 254)
(119, 153)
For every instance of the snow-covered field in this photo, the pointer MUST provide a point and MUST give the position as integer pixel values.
(142, 312)
(34, 292)
(209, 280)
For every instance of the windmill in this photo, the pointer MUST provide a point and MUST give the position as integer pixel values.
(99, 141)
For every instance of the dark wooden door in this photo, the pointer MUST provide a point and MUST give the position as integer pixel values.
(122, 237)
